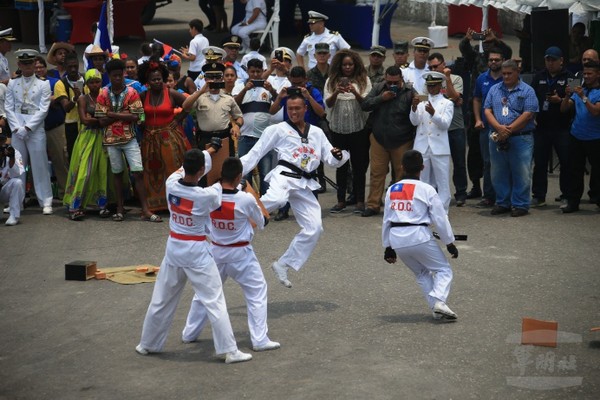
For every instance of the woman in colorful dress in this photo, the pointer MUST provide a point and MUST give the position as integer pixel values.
(164, 142)
(88, 173)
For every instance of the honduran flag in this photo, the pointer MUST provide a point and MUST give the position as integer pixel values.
(180, 205)
(102, 38)
(226, 211)
(402, 191)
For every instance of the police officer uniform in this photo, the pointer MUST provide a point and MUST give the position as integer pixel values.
(231, 234)
(412, 73)
(432, 138)
(5, 35)
(334, 39)
(27, 103)
(401, 48)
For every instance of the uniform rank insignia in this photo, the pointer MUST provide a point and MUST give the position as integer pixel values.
(402, 191)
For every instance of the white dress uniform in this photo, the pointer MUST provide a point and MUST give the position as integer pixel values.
(415, 76)
(413, 202)
(27, 103)
(333, 39)
(432, 141)
(231, 234)
(187, 256)
(4, 68)
(306, 155)
(12, 186)
(244, 31)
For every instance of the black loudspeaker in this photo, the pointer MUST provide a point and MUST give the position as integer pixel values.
(548, 28)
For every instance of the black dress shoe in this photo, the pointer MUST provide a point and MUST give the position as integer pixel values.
(281, 215)
(369, 212)
(322, 189)
(474, 193)
(497, 210)
(570, 208)
(518, 212)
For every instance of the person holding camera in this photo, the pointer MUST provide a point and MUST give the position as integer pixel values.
(432, 119)
(510, 109)
(476, 57)
(389, 102)
(410, 207)
(255, 99)
(300, 147)
(345, 89)
(12, 188)
(27, 102)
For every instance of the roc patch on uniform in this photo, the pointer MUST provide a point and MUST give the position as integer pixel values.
(402, 191)
(225, 211)
(181, 205)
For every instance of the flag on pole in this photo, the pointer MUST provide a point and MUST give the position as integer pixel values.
(167, 49)
(102, 38)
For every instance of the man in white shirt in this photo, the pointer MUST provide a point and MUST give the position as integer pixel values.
(5, 38)
(193, 53)
(413, 74)
(319, 34)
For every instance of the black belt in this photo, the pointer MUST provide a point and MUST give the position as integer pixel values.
(297, 172)
(225, 133)
(521, 133)
(396, 224)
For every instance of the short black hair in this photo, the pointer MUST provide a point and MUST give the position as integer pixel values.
(295, 97)
(436, 56)
(254, 44)
(147, 67)
(197, 25)
(298, 72)
(71, 56)
(496, 50)
(256, 63)
(231, 169)
(412, 162)
(114, 65)
(393, 71)
(592, 64)
(41, 60)
(146, 48)
(193, 161)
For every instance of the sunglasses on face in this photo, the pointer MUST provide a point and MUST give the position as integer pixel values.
(494, 60)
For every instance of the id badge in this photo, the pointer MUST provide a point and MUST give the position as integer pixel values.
(505, 111)
(546, 105)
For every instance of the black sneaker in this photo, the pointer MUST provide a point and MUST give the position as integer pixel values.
(281, 215)
(474, 193)
(485, 203)
(497, 210)
(518, 212)
(570, 208)
(369, 212)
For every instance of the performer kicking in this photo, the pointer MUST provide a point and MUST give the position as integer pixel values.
(188, 257)
(410, 207)
(231, 233)
(300, 148)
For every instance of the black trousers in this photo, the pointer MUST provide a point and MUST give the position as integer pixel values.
(579, 152)
(358, 145)
(71, 133)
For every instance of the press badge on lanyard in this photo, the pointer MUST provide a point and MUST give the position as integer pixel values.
(504, 107)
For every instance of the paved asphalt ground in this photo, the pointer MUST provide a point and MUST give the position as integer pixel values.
(352, 327)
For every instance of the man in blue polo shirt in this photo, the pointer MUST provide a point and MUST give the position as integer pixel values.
(510, 109)
(484, 83)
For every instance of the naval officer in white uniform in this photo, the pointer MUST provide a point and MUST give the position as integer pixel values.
(413, 74)
(27, 103)
(316, 22)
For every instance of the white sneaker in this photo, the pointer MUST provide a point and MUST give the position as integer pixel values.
(270, 345)
(11, 221)
(141, 350)
(281, 272)
(237, 356)
(47, 210)
(436, 316)
(442, 309)
(7, 210)
(188, 341)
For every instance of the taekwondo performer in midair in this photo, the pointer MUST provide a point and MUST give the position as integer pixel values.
(187, 256)
(231, 234)
(410, 207)
(300, 148)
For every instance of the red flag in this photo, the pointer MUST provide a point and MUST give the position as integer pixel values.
(181, 205)
(225, 211)
(402, 191)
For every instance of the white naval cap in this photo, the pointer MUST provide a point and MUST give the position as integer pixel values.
(213, 53)
(6, 34)
(26, 54)
(433, 78)
(422, 42)
(287, 53)
(314, 16)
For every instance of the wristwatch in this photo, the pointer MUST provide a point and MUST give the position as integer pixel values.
(584, 100)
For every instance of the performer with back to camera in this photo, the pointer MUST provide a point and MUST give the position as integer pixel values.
(300, 148)
(410, 207)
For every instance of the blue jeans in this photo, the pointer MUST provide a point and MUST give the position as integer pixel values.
(488, 188)
(265, 165)
(458, 150)
(511, 171)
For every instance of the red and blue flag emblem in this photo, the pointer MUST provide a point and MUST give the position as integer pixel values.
(402, 191)
(180, 205)
(225, 211)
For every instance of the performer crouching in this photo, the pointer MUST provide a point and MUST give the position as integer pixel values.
(187, 256)
(410, 207)
(231, 233)
(300, 148)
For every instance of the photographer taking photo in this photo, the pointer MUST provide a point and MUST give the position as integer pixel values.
(11, 186)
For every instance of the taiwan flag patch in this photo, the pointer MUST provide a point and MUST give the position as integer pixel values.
(180, 205)
(226, 211)
(402, 191)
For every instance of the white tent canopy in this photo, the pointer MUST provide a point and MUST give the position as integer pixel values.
(522, 6)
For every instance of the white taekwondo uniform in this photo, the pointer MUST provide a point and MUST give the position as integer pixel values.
(187, 256)
(13, 188)
(303, 154)
(414, 202)
(27, 103)
(432, 141)
(231, 234)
